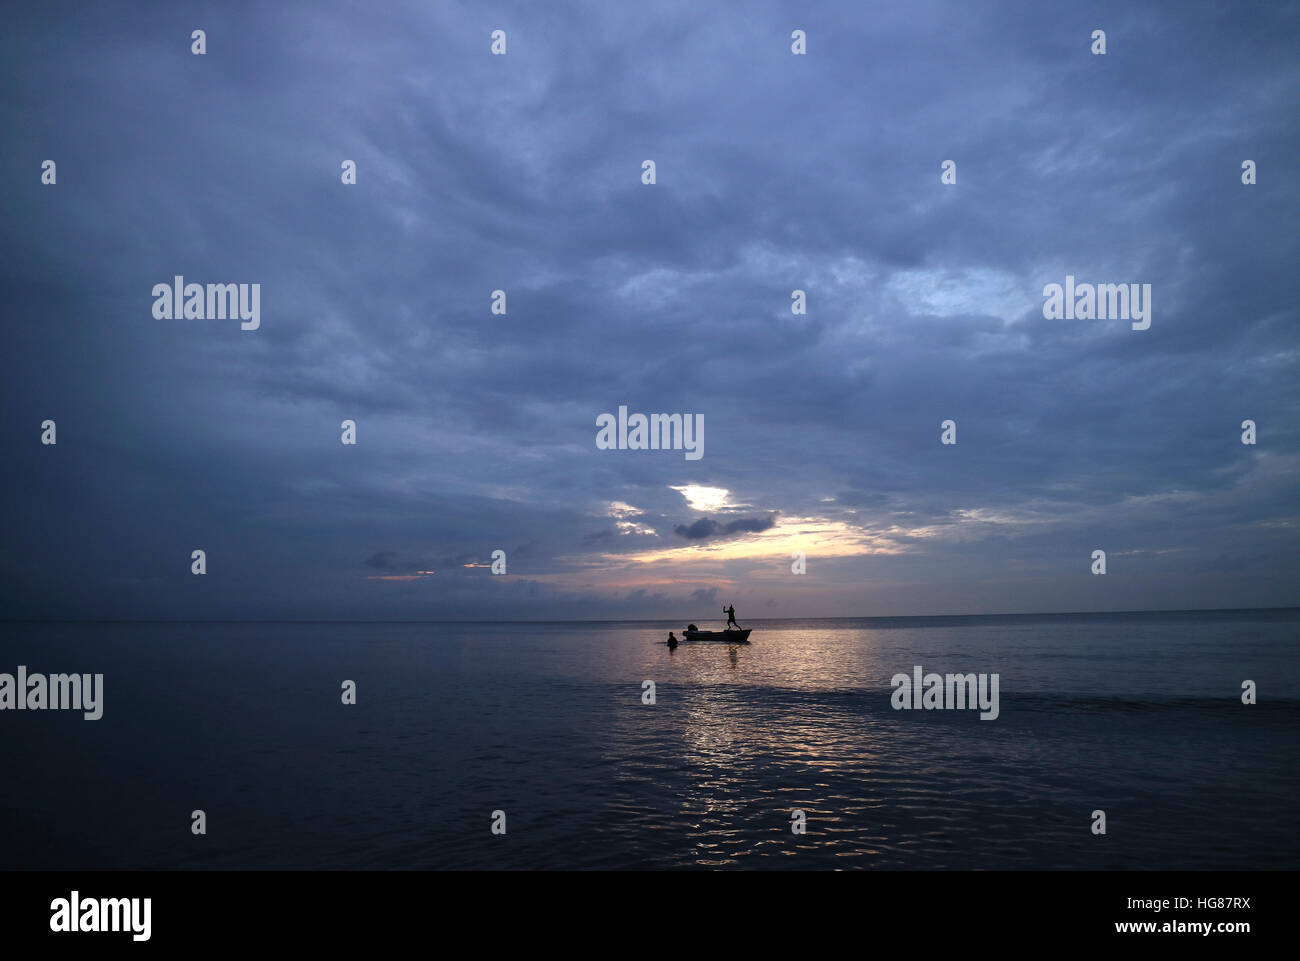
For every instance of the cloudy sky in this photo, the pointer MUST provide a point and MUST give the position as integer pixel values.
(522, 172)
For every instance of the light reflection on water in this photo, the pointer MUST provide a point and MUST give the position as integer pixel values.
(546, 722)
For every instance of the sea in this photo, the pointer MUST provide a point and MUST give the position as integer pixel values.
(593, 745)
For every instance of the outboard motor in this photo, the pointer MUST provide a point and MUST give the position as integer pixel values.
(691, 627)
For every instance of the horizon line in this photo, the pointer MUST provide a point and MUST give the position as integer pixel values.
(628, 620)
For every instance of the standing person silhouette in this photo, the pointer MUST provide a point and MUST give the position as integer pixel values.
(730, 611)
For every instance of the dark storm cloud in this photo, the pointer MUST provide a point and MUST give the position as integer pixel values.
(476, 173)
(704, 527)
(708, 527)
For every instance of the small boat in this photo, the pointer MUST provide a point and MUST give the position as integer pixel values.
(732, 637)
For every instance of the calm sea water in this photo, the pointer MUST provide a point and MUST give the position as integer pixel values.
(1137, 715)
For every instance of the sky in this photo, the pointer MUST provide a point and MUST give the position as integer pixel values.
(523, 172)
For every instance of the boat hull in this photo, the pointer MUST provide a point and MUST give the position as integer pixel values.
(731, 637)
